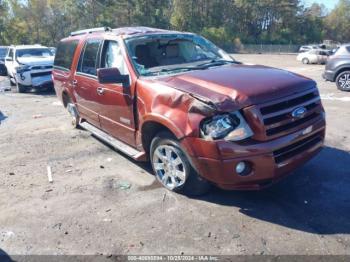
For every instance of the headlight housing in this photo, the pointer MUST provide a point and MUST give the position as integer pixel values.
(230, 126)
(22, 68)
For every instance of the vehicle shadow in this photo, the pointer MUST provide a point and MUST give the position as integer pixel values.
(315, 199)
(4, 257)
(44, 92)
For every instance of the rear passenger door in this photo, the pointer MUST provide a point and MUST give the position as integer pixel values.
(62, 74)
(85, 81)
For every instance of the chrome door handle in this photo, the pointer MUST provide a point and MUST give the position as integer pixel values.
(100, 90)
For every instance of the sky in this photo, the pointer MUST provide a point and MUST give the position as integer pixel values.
(330, 4)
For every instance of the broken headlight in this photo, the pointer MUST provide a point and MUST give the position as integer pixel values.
(230, 127)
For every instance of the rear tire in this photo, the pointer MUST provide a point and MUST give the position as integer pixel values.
(343, 81)
(73, 112)
(172, 167)
(305, 61)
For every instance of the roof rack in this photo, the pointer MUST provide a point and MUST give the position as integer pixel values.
(91, 30)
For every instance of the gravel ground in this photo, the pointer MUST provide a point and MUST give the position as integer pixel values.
(101, 202)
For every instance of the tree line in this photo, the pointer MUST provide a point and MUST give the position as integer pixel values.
(228, 23)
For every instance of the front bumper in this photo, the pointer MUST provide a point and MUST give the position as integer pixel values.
(216, 160)
(35, 79)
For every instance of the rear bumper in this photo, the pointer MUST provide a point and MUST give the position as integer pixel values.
(329, 75)
(216, 161)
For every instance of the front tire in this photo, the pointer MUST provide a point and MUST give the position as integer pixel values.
(343, 81)
(12, 82)
(20, 88)
(172, 167)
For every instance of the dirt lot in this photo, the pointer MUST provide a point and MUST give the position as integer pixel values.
(101, 202)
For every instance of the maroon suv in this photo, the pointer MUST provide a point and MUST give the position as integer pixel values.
(180, 102)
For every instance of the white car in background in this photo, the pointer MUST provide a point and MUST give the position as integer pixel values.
(314, 56)
(306, 48)
(29, 66)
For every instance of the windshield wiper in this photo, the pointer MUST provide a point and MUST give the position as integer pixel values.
(165, 70)
(188, 68)
(216, 62)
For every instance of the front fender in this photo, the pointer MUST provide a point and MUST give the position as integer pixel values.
(164, 121)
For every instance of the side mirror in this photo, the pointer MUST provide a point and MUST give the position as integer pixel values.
(9, 59)
(112, 76)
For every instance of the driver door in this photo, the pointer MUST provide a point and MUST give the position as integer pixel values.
(115, 101)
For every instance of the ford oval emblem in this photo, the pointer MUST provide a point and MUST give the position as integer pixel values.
(299, 112)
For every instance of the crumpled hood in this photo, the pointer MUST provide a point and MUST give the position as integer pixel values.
(36, 61)
(238, 86)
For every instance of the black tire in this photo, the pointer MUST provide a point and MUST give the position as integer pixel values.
(305, 61)
(12, 82)
(3, 71)
(194, 184)
(20, 88)
(343, 81)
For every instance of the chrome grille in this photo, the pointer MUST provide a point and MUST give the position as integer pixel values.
(41, 67)
(277, 117)
(41, 74)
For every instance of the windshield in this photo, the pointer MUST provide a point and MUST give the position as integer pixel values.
(169, 53)
(3, 52)
(36, 52)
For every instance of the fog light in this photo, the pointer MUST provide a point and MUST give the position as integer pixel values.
(241, 167)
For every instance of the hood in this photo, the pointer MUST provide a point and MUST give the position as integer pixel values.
(34, 61)
(238, 86)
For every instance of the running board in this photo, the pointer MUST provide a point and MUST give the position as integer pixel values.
(115, 143)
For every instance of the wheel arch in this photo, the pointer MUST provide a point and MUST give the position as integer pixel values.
(152, 127)
(66, 96)
(341, 70)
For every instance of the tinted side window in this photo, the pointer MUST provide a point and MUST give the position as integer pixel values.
(11, 53)
(348, 48)
(65, 53)
(89, 59)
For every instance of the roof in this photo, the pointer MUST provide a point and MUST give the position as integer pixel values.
(28, 46)
(123, 31)
(137, 30)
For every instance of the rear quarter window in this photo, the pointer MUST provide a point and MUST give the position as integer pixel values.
(65, 53)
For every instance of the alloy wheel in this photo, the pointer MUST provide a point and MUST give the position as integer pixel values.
(169, 167)
(344, 81)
